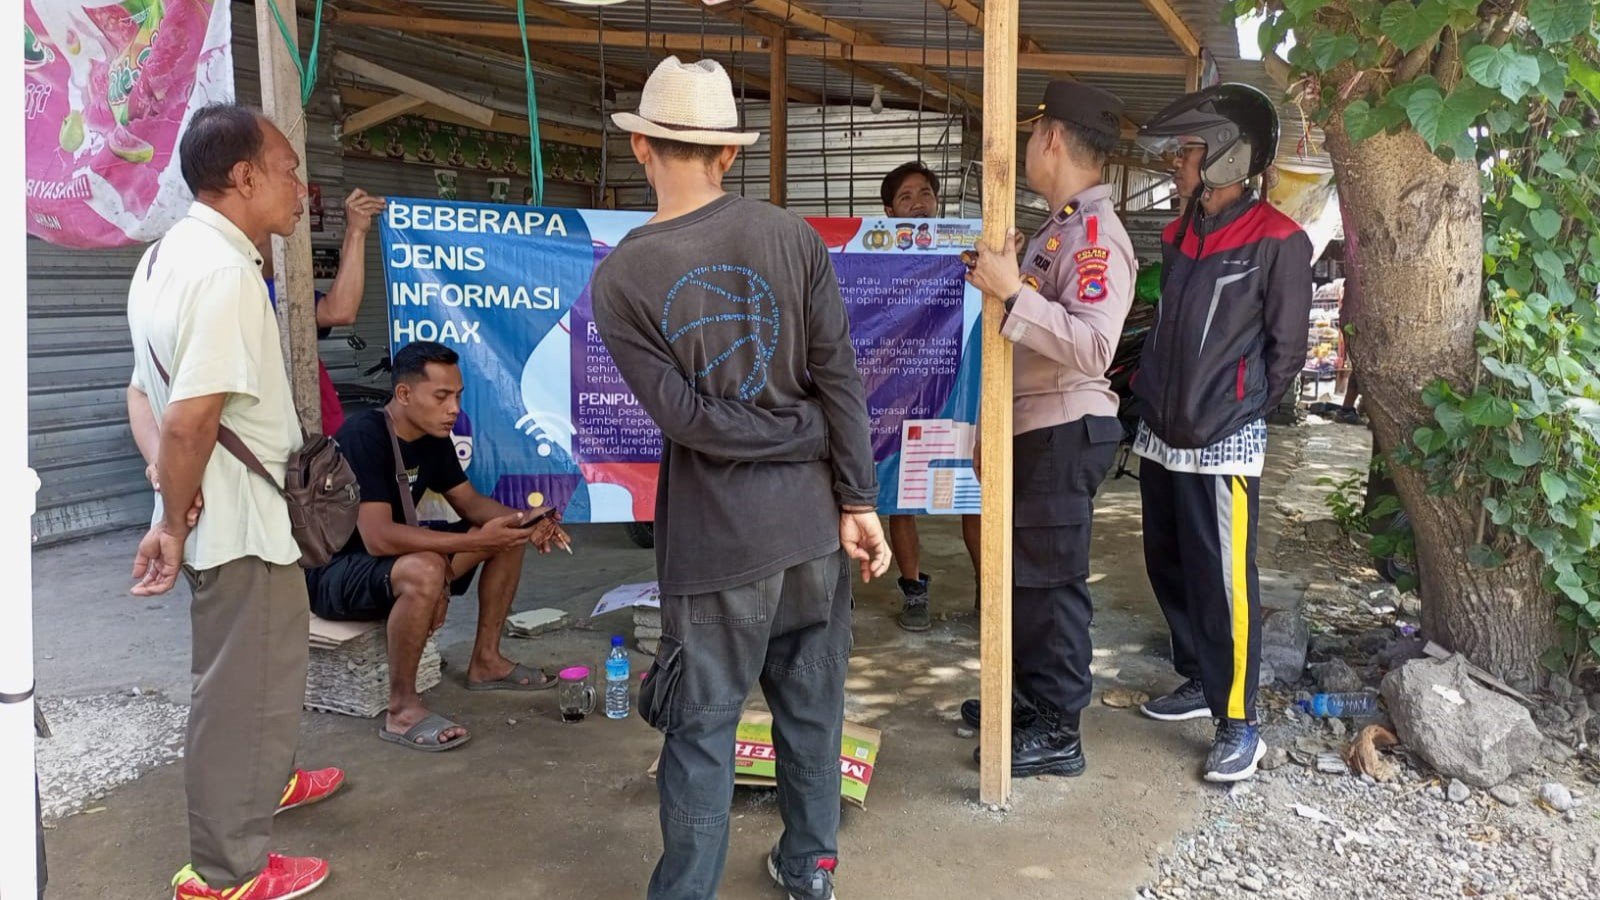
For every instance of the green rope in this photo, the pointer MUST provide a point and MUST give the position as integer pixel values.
(536, 150)
(307, 69)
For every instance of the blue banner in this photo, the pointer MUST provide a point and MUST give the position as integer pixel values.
(546, 418)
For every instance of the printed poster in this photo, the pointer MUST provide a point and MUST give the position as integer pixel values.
(108, 90)
(547, 419)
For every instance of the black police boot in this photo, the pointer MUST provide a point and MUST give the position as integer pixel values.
(1051, 745)
(1022, 712)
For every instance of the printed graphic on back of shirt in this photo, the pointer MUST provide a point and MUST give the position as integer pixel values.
(733, 315)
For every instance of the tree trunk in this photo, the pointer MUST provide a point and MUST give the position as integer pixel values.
(1416, 224)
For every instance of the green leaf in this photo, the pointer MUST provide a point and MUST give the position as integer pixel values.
(1528, 450)
(1440, 120)
(1485, 557)
(1487, 411)
(1585, 76)
(1546, 223)
(1551, 264)
(1570, 584)
(1426, 438)
(1329, 48)
(1503, 68)
(1409, 26)
(1547, 541)
(1450, 418)
(1553, 162)
(1271, 34)
(1503, 470)
(1437, 392)
(1555, 487)
(1560, 20)
(1505, 121)
(1519, 279)
(1302, 9)
(1526, 195)
(1552, 77)
(1362, 120)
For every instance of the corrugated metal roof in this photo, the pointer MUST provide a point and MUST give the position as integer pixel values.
(1111, 27)
(1121, 27)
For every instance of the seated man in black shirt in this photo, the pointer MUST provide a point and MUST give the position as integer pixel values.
(396, 570)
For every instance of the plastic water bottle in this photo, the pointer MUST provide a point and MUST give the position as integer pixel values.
(617, 680)
(1350, 704)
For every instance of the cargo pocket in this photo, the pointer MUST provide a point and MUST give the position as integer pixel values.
(660, 684)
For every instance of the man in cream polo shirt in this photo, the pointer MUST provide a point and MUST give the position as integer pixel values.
(207, 354)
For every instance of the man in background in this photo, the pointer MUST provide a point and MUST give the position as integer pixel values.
(911, 191)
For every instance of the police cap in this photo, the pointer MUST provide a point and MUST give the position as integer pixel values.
(1080, 104)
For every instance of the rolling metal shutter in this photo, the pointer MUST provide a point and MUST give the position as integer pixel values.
(79, 358)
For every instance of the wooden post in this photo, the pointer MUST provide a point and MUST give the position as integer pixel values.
(297, 314)
(999, 214)
(778, 191)
(1197, 68)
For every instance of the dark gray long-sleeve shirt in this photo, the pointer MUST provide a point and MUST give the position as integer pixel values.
(728, 327)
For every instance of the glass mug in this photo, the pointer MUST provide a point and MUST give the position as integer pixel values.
(575, 694)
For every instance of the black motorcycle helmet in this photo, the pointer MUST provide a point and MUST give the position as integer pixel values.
(1237, 123)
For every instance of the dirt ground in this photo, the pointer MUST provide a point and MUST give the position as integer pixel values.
(537, 808)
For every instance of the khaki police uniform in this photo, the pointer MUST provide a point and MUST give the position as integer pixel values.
(1078, 276)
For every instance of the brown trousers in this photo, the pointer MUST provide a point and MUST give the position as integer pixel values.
(250, 619)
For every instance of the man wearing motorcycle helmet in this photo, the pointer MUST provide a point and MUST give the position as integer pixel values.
(1228, 341)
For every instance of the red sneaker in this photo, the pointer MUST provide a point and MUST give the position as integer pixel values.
(305, 788)
(283, 878)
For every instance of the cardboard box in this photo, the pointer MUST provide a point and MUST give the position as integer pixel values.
(756, 760)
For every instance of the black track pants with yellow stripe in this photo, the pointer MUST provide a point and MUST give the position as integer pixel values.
(1200, 552)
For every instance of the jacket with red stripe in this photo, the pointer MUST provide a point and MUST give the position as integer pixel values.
(1230, 333)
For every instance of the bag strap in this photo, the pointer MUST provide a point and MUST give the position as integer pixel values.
(401, 482)
(225, 435)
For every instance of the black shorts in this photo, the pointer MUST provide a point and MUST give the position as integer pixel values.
(354, 587)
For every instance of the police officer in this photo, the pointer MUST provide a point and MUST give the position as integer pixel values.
(1064, 309)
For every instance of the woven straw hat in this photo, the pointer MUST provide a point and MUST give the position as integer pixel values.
(688, 102)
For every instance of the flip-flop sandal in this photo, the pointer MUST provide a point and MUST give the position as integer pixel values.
(428, 730)
(538, 680)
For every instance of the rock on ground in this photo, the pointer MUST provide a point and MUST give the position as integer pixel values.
(1284, 631)
(1461, 729)
(1556, 796)
(1336, 676)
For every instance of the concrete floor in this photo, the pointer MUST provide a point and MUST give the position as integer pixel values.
(542, 809)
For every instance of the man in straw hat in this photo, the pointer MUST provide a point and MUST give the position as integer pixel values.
(724, 317)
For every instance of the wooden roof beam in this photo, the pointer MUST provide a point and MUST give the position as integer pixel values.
(355, 65)
(972, 14)
(508, 53)
(775, 30)
(502, 123)
(1174, 66)
(590, 36)
(790, 13)
(1175, 27)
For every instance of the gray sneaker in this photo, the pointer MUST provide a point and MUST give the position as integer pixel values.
(1187, 702)
(820, 887)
